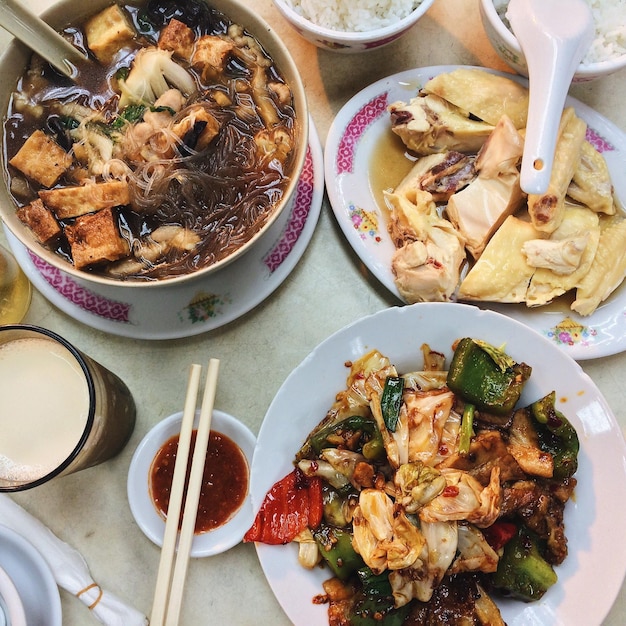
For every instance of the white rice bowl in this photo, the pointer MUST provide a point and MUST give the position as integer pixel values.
(610, 29)
(352, 26)
(606, 55)
(351, 15)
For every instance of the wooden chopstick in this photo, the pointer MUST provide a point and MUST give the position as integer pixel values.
(193, 495)
(173, 564)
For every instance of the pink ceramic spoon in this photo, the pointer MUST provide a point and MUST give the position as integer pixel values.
(554, 36)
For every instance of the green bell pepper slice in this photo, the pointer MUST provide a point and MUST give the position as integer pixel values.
(556, 436)
(375, 604)
(522, 571)
(486, 376)
(336, 549)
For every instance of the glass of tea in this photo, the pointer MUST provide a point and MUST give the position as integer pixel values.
(15, 289)
(60, 411)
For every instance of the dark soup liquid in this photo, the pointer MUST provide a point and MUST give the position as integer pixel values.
(224, 483)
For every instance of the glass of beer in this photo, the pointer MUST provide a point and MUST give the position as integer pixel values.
(60, 411)
(15, 289)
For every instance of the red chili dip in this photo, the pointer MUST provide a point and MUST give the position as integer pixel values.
(224, 483)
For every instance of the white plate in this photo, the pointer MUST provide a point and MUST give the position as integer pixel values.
(142, 507)
(352, 140)
(592, 574)
(32, 577)
(185, 310)
(11, 606)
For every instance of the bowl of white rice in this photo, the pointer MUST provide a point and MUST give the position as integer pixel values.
(606, 55)
(352, 25)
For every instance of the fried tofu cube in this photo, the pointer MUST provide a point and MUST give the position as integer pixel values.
(40, 220)
(95, 239)
(177, 38)
(210, 55)
(42, 159)
(108, 32)
(69, 202)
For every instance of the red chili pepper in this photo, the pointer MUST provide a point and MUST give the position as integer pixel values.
(292, 504)
(451, 491)
(499, 534)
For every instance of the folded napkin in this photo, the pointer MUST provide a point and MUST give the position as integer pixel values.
(69, 567)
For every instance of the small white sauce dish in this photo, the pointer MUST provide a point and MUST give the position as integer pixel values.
(11, 607)
(140, 501)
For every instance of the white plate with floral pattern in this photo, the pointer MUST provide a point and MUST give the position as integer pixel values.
(353, 139)
(198, 306)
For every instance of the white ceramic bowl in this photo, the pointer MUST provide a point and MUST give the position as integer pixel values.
(15, 59)
(507, 46)
(348, 42)
(140, 501)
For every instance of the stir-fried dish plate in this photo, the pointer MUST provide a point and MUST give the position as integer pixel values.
(364, 158)
(594, 511)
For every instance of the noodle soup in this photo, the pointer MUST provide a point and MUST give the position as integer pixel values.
(175, 148)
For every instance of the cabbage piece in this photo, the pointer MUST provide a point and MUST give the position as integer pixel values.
(152, 74)
(427, 414)
(474, 552)
(419, 580)
(417, 485)
(325, 471)
(464, 498)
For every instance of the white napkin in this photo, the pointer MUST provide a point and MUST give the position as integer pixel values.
(69, 567)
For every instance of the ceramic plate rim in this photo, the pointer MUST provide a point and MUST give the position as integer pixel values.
(142, 508)
(601, 334)
(31, 565)
(602, 459)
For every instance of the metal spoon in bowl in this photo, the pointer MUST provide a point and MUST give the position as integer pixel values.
(554, 36)
(40, 37)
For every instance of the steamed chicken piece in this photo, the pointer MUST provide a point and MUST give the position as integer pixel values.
(441, 174)
(483, 95)
(591, 184)
(479, 209)
(430, 252)
(502, 274)
(429, 124)
(564, 259)
(546, 210)
(609, 267)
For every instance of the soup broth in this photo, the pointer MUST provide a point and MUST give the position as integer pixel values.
(183, 139)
